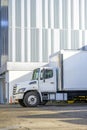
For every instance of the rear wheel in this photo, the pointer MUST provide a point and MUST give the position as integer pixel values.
(32, 99)
(21, 102)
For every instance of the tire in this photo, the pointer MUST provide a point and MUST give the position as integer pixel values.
(32, 99)
(44, 102)
(21, 103)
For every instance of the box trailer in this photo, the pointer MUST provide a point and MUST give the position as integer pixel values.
(65, 78)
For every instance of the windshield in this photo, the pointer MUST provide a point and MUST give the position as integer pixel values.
(35, 74)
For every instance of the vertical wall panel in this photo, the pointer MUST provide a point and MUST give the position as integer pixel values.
(52, 41)
(46, 13)
(34, 45)
(38, 13)
(40, 45)
(43, 13)
(72, 14)
(52, 13)
(33, 13)
(18, 45)
(49, 14)
(60, 14)
(45, 44)
(25, 13)
(69, 13)
(82, 14)
(85, 37)
(28, 31)
(17, 6)
(75, 39)
(25, 42)
(28, 45)
(13, 32)
(63, 39)
(10, 31)
(37, 45)
(28, 14)
(10, 13)
(56, 40)
(75, 14)
(65, 13)
(33, 42)
(10, 45)
(49, 41)
(56, 13)
(80, 39)
(22, 32)
(85, 14)
(69, 40)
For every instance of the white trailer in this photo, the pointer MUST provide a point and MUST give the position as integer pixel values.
(65, 78)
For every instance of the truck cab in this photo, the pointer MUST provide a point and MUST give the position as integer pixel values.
(36, 91)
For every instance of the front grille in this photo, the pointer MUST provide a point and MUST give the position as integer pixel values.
(14, 90)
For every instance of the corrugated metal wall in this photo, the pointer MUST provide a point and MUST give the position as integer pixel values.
(37, 28)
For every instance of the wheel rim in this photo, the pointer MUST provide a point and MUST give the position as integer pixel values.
(32, 100)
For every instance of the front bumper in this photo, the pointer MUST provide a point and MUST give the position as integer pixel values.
(18, 96)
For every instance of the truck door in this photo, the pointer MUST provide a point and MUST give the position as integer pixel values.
(47, 81)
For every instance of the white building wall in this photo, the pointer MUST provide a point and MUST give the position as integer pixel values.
(37, 28)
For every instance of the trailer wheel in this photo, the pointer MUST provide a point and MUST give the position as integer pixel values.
(21, 102)
(32, 99)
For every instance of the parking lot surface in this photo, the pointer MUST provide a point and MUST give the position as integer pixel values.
(49, 117)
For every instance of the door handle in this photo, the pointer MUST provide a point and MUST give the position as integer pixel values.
(52, 82)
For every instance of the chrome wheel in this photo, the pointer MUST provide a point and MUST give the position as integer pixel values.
(32, 100)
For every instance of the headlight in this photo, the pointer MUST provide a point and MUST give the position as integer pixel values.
(21, 90)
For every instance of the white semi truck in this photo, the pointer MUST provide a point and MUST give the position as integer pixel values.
(65, 78)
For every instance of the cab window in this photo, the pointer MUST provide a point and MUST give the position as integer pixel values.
(35, 74)
(46, 74)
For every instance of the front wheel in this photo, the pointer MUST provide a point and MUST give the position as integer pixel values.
(32, 99)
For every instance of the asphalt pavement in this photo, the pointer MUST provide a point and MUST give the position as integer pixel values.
(49, 117)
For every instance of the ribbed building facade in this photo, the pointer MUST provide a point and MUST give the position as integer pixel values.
(31, 30)
(38, 28)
